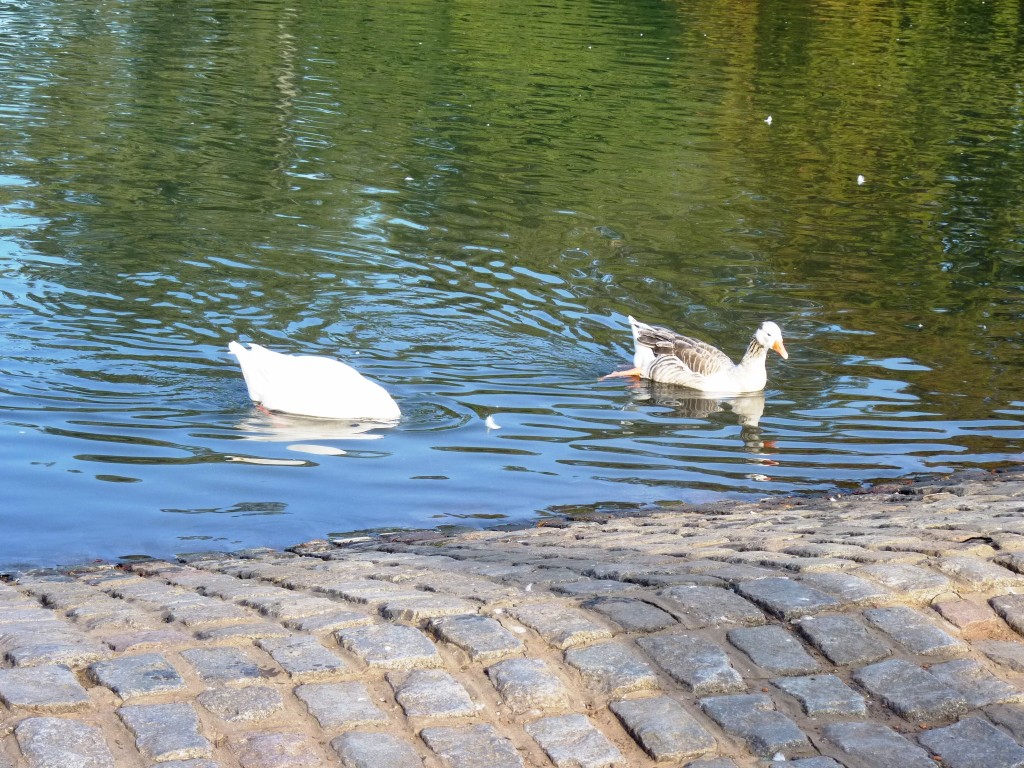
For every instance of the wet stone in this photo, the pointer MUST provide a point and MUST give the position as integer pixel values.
(248, 703)
(431, 693)
(560, 625)
(55, 742)
(340, 704)
(631, 614)
(663, 728)
(528, 684)
(774, 649)
(471, 746)
(753, 718)
(482, 637)
(274, 750)
(388, 646)
(694, 662)
(222, 665)
(973, 743)
(786, 598)
(141, 675)
(823, 695)
(304, 658)
(976, 683)
(843, 640)
(698, 607)
(877, 745)
(375, 750)
(166, 731)
(612, 669)
(910, 691)
(572, 741)
(46, 689)
(914, 632)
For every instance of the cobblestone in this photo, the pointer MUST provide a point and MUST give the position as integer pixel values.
(571, 741)
(663, 728)
(54, 742)
(471, 746)
(877, 629)
(612, 669)
(166, 731)
(973, 743)
(774, 649)
(911, 691)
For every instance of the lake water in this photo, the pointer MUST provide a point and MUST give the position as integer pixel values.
(466, 202)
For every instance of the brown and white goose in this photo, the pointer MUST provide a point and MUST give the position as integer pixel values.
(665, 356)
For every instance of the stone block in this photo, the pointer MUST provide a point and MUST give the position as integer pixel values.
(980, 575)
(976, 683)
(910, 691)
(774, 649)
(166, 731)
(390, 646)
(74, 652)
(274, 750)
(482, 637)
(974, 618)
(528, 684)
(572, 741)
(560, 625)
(848, 589)
(328, 622)
(130, 676)
(304, 658)
(876, 745)
(697, 663)
(698, 607)
(612, 669)
(222, 665)
(46, 689)
(245, 704)
(1011, 609)
(425, 605)
(843, 640)
(471, 746)
(1008, 653)
(1010, 716)
(663, 728)
(55, 742)
(914, 632)
(823, 695)
(375, 750)
(753, 718)
(973, 743)
(913, 583)
(631, 614)
(431, 693)
(786, 598)
(249, 630)
(147, 638)
(345, 704)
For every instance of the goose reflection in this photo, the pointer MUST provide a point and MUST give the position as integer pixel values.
(748, 408)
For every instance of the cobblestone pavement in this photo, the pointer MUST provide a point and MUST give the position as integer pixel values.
(881, 629)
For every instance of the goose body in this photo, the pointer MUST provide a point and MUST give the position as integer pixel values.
(670, 358)
(310, 385)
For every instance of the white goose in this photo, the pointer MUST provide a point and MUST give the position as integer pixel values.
(309, 385)
(665, 356)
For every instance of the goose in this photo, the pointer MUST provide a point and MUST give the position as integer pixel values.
(670, 358)
(310, 385)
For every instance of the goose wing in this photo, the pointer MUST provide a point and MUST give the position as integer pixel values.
(696, 355)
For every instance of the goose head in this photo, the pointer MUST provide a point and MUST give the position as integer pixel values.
(769, 336)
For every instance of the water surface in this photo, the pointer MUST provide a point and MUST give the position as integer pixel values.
(465, 202)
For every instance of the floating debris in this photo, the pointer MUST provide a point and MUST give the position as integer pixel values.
(319, 450)
(768, 119)
(860, 179)
(490, 423)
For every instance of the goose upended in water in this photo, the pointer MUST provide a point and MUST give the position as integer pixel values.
(667, 357)
(309, 385)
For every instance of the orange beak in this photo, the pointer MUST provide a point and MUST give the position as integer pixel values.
(779, 347)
